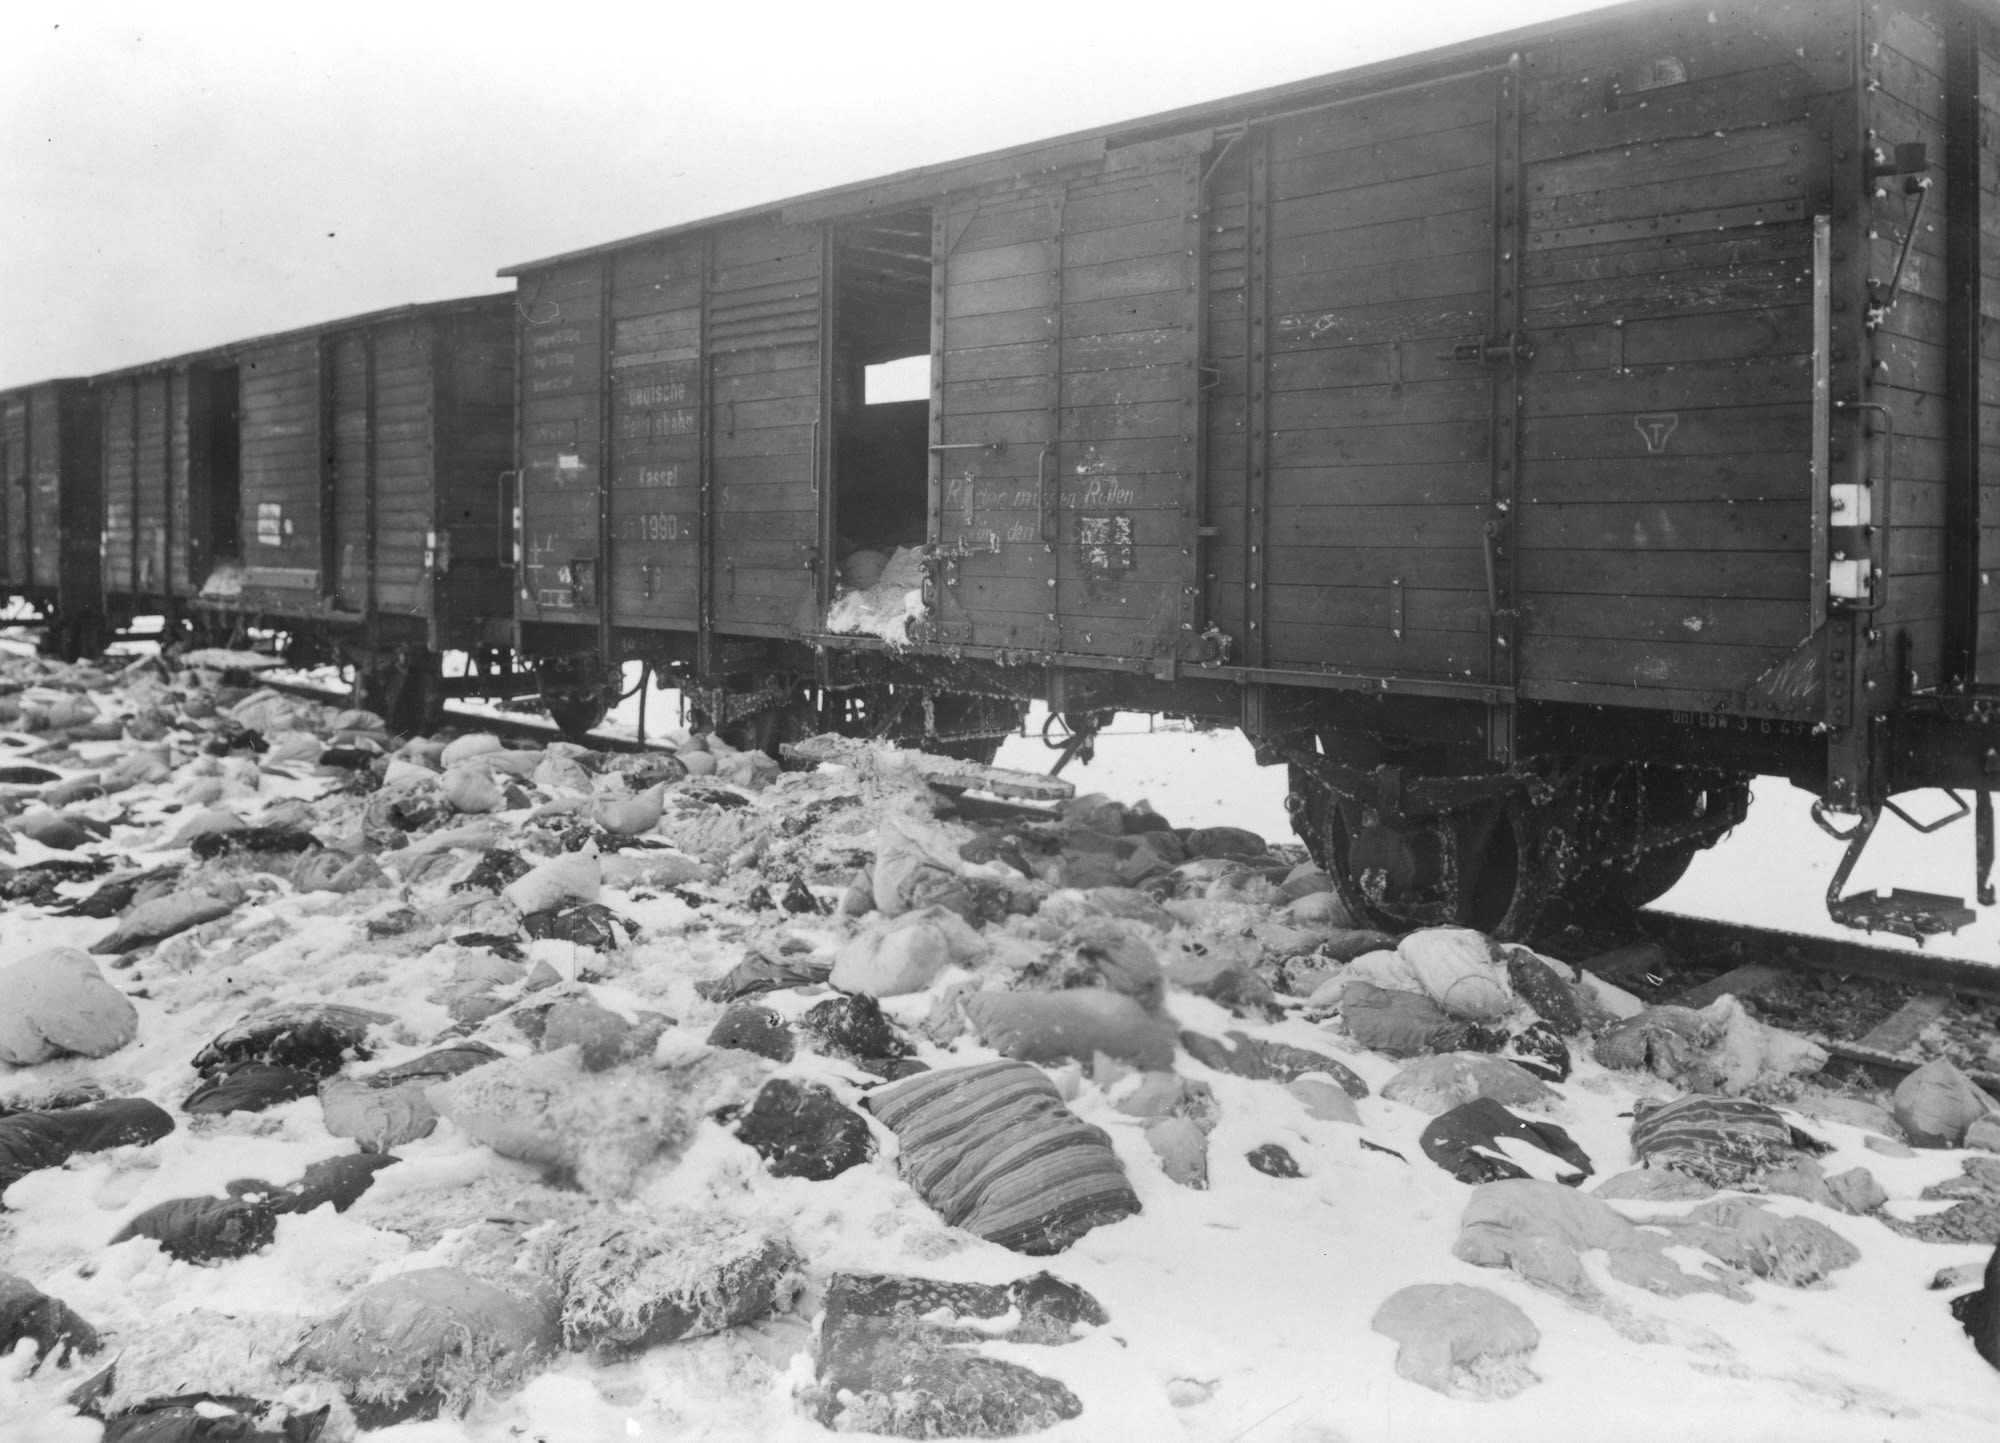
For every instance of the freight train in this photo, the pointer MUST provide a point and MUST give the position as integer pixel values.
(1526, 443)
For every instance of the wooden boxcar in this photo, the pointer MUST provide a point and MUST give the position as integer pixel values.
(167, 437)
(372, 458)
(49, 500)
(1527, 441)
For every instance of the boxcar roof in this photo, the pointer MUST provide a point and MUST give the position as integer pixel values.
(1082, 146)
(38, 385)
(224, 350)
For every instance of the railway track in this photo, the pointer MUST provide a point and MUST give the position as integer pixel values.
(522, 728)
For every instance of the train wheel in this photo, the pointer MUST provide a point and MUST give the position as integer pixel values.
(1609, 895)
(1477, 868)
(577, 716)
(410, 699)
(768, 731)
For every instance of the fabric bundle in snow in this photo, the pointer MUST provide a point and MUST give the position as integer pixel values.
(55, 1003)
(888, 606)
(51, 1324)
(905, 954)
(1456, 968)
(993, 1150)
(314, 1037)
(899, 1356)
(204, 1229)
(1935, 1105)
(470, 789)
(573, 876)
(30, 1141)
(629, 1284)
(165, 917)
(1723, 1141)
(1481, 1141)
(429, 1341)
(601, 1129)
(1462, 1342)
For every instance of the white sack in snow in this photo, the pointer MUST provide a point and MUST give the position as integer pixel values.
(202, 824)
(603, 1128)
(510, 763)
(293, 747)
(699, 764)
(906, 954)
(1454, 967)
(354, 719)
(914, 858)
(1388, 970)
(378, 1118)
(1460, 1341)
(404, 775)
(650, 868)
(886, 608)
(471, 789)
(56, 1002)
(572, 876)
(141, 767)
(467, 747)
(164, 917)
(559, 773)
(629, 815)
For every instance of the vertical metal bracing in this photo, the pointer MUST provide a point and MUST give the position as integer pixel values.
(605, 374)
(934, 514)
(372, 535)
(1822, 432)
(820, 558)
(705, 502)
(1502, 553)
(1052, 537)
(1964, 204)
(329, 556)
(1847, 442)
(132, 525)
(1194, 411)
(165, 581)
(1256, 390)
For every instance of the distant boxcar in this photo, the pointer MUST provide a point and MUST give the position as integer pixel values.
(49, 505)
(372, 459)
(167, 437)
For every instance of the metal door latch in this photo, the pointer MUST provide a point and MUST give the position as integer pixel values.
(1492, 351)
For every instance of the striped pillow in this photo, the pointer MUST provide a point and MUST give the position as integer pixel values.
(993, 1150)
(1724, 1141)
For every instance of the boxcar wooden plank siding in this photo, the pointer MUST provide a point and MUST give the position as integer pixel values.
(46, 462)
(150, 481)
(121, 452)
(562, 333)
(280, 518)
(1666, 414)
(1988, 620)
(775, 311)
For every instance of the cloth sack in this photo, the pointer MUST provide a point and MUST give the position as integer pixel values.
(993, 1150)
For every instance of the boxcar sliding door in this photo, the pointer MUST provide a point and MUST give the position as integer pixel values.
(1375, 324)
(769, 443)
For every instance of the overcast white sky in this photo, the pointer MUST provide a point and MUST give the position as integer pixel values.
(177, 175)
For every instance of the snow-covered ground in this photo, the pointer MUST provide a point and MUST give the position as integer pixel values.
(1238, 1314)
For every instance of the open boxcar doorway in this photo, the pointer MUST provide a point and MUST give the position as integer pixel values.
(215, 543)
(880, 497)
